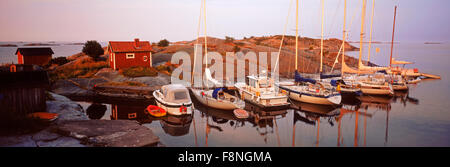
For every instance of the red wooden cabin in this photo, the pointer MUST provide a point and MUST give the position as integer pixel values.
(125, 54)
(37, 56)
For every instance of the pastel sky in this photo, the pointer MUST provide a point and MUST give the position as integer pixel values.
(105, 20)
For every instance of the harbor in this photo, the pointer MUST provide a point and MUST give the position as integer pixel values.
(286, 88)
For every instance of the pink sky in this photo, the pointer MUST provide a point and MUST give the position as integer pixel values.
(104, 20)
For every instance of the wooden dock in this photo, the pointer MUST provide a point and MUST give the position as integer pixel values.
(432, 76)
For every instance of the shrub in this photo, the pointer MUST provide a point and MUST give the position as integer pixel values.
(93, 49)
(163, 43)
(236, 49)
(229, 39)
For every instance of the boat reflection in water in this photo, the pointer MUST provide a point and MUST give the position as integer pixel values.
(302, 124)
(172, 125)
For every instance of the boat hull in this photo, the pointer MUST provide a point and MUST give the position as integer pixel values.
(173, 109)
(214, 103)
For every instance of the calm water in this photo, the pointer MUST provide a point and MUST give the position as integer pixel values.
(419, 117)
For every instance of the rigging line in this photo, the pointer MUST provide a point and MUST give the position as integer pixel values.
(196, 42)
(282, 37)
(334, 19)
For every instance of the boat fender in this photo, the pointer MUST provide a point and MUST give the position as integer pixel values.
(183, 109)
(338, 88)
(242, 95)
(258, 93)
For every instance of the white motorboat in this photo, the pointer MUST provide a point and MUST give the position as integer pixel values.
(261, 91)
(174, 99)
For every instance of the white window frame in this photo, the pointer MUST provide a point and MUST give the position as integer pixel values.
(128, 55)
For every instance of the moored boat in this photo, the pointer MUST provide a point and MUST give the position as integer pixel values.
(174, 98)
(262, 92)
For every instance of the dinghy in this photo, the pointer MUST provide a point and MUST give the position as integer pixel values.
(174, 98)
(156, 111)
(240, 113)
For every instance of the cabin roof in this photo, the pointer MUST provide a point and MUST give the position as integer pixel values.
(129, 46)
(35, 51)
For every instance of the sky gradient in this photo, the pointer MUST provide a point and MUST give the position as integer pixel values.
(176, 20)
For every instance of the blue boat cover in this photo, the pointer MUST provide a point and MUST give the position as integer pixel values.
(382, 71)
(324, 76)
(299, 78)
(216, 91)
(333, 82)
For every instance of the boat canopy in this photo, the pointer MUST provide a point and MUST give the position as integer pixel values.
(216, 91)
(175, 93)
(324, 76)
(299, 78)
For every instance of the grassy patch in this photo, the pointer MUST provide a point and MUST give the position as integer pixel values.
(127, 83)
(85, 68)
(139, 72)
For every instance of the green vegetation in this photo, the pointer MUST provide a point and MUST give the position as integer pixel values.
(139, 72)
(84, 68)
(229, 39)
(163, 43)
(93, 49)
(236, 48)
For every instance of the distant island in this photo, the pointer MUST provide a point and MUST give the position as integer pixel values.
(77, 43)
(40, 44)
(433, 43)
(8, 45)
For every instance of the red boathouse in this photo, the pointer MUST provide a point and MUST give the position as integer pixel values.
(37, 56)
(125, 54)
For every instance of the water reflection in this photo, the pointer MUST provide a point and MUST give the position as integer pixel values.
(302, 124)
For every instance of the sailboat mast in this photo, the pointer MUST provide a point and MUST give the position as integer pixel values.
(296, 36)
(392, 42)
(371, 25)
(206, 44)
(363, 13)
(321, 41)
(343, 39)
(196, 42)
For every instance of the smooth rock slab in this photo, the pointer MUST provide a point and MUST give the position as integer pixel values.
(110, 133)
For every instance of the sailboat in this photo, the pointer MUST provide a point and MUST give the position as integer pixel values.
(309, 90)
(217, 98)
(370, 84)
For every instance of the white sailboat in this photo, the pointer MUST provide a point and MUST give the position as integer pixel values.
(308, 90)
(370, 85)
(216, 98)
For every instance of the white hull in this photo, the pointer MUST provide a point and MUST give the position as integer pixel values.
(270, 99)
(377, 90)
(209, 101)
(172, 108)
(306, 98)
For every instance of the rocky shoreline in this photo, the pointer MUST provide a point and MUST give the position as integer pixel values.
(74, 129)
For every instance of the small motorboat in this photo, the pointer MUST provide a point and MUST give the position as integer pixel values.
(174, 98)
(414, 80)
(45, 116)
(156, 111)
(240, 113)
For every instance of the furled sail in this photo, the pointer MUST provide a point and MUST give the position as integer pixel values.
(299, 78)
